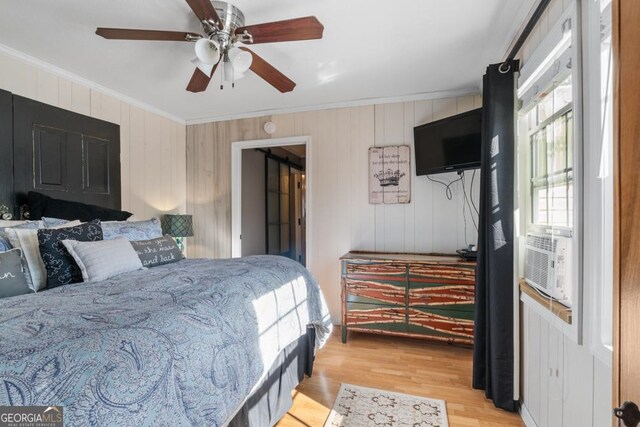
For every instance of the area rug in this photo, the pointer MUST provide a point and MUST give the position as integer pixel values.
(358, 406)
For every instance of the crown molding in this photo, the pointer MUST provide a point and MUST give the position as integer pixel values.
(345, 104)
(86, 82)
(218, 118)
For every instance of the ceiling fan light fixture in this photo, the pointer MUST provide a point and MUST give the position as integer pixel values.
(222, 29)
(208, 51)
(205, 68)
(240, 59)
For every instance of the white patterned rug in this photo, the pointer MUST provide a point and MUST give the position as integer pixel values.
(358, 406)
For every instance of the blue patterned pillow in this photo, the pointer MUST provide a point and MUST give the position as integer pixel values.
(62, 269)
(53, 222)
(5, 244)
(132, 230)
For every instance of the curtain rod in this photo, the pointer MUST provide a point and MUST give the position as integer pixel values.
(528, 28)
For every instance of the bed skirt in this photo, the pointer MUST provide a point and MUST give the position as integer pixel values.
(271, 401)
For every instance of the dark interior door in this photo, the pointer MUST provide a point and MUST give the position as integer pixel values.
(278, 220)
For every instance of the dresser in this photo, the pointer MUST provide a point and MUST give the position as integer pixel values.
(428, 296)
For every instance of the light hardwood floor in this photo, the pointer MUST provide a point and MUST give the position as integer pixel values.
(422, 368)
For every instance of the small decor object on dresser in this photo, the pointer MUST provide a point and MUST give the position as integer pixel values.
(178, 226)
(160, 251)
(412, 295)
(390, 174)
(62, 269)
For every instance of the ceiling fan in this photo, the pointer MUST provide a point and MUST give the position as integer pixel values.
(223, 27)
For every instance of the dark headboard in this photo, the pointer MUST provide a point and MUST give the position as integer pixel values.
(6, 148)
(59, 153)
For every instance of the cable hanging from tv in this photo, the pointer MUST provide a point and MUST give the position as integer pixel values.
(447, 187)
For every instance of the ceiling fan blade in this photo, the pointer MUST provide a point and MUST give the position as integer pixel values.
(199, 80)
(204, 10)
(128, 34)
(307, 28)
(269, 73)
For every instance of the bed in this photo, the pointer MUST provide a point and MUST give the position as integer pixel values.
(197, 342)
(189, 343)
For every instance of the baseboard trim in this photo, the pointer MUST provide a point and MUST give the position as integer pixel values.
(526, 416)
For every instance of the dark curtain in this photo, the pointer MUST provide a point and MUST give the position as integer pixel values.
(493, 341)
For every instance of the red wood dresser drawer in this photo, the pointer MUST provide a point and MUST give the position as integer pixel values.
(442, 285)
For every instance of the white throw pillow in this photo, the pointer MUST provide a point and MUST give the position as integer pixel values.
(104, 258)
(27, 240)
(10, 223)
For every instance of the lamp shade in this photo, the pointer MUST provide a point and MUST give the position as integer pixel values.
(208, 51)
(240, 59)
(177, 225)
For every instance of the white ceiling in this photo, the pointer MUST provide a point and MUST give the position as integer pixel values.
(370, 49)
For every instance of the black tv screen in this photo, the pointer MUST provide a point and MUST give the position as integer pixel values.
(449, 144)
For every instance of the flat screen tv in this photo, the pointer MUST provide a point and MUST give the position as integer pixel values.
(450, 144)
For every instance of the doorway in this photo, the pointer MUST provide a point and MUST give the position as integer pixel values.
(271, 198)
(273, 213)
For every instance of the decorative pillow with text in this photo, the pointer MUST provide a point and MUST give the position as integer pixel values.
(12, 280)
(155, 252)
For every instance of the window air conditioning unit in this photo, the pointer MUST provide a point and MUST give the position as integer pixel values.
(547, 265)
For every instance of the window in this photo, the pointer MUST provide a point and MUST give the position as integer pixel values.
(550, 125)
(599, 274)
(551, 168)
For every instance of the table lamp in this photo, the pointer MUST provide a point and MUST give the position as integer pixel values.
(178, 227)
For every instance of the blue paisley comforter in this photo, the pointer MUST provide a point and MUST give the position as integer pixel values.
(182, 344)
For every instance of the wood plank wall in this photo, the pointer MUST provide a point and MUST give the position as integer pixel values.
(153, 154)
(343, 219)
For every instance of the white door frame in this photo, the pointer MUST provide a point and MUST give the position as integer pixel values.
(236, 188)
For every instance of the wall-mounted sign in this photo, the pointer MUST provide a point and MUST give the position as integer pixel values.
(390, 174)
